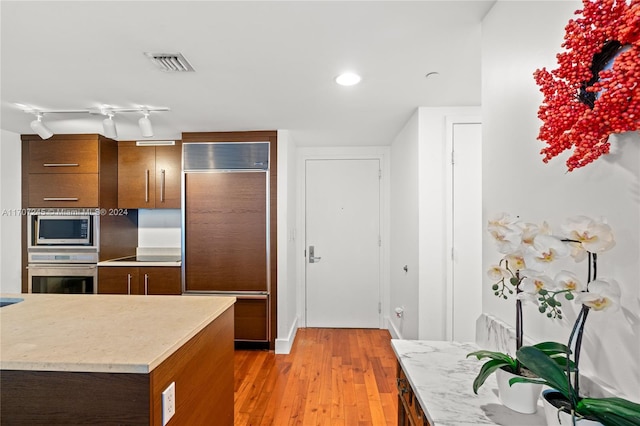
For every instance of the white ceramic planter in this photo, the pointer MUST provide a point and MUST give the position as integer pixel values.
(521, 397)
(561, 418)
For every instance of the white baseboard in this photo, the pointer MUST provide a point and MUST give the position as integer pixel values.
(395, 333)
(283, 346)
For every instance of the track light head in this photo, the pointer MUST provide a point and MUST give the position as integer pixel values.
(38, 126)
(109, 126)
(145, 125)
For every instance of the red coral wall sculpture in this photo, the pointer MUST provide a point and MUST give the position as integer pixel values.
(594, 92)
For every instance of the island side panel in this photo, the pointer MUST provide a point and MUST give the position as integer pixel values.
(202, 370)
(51, 397)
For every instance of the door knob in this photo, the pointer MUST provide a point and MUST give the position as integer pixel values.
(312, 258)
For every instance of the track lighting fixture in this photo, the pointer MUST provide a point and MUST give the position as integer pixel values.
(145, 125)
(38, 126)
(109, 126)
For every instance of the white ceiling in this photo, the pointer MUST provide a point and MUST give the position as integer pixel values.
(259, 65)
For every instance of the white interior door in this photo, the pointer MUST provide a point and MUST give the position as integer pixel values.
(467, 230)
(342, 209)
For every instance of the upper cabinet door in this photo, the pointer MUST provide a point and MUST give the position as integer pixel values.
(136, 176)
(63, 156)
(168, 176)
(149, 177)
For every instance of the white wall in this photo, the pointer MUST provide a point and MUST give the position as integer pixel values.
(287, 239)
(518, 38)
(10, 205)
(159, 228)
(404, 231)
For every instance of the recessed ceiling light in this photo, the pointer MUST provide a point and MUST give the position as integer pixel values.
(348, 79)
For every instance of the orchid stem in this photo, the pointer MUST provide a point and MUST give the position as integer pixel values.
(519, 333)
(578, 332)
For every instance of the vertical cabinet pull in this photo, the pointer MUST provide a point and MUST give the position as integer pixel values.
(128, 283)
(146, 284)
(162, 174)
(146, 186)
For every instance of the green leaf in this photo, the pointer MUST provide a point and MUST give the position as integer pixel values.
(610, 411)
(520, 379)
(481, 354)
(543, 366)
(568, 296)
(514, 281)
(487, 369)
(552, 347)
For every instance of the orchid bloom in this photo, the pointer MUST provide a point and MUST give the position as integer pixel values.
(593, 236)
(534, 281)
(498, 273)
(515, 261)
(504, 231)
(602, 294)
(531, 230)
(567, 280)
(545, 250)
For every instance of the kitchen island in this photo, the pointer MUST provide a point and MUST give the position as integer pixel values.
(106, 359)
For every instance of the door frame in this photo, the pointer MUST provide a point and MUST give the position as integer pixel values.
(381, 154)
(451, 121)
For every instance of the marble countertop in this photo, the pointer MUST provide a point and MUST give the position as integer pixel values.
(442, 377)
(100, 333)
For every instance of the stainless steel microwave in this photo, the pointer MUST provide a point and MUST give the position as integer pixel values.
(62, 230)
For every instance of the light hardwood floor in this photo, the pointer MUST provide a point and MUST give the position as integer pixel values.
(331, 377)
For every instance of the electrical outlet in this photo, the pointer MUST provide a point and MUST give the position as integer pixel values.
(168, 403)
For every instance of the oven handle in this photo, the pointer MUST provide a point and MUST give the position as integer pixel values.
(60, 266)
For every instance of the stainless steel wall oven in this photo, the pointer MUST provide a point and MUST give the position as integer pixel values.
(62, 250)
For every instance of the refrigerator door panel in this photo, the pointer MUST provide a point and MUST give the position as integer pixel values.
(226, 234)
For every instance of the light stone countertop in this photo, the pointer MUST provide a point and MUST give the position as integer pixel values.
(442, 378)
(148, 256)
(146, 261)
(100, 333)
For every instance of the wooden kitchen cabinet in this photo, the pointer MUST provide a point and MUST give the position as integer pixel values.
(410, 413)
(63, 156)
(64, 171)
(149, 176)
(251, 319)
(148, 280)
(63, 190)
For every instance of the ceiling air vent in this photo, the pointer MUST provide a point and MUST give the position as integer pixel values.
(170, 62)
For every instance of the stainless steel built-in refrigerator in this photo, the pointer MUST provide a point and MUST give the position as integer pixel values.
(226, 233)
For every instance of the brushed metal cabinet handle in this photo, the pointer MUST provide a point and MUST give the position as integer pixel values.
(146, 186)
(162, 179)
(60, 199)
(128, 283)
(146, 284)
(61, 164)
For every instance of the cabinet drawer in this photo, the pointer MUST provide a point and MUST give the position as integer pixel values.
(251, 319)
(63, 156)
(63, 190)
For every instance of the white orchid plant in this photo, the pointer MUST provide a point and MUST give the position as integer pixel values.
(529, 250)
